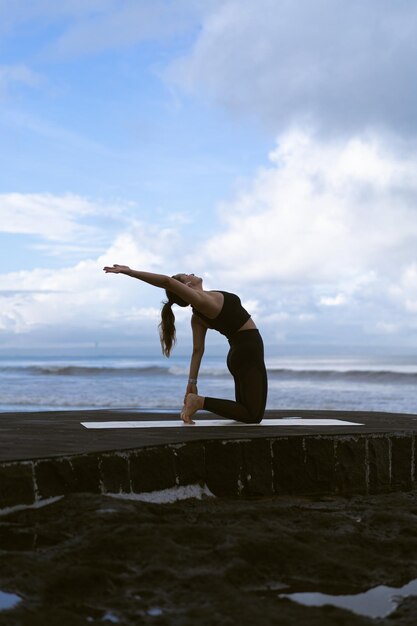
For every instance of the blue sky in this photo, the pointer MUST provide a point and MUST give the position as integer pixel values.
(268, 146)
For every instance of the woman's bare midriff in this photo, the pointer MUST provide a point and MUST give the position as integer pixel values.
(249, 325)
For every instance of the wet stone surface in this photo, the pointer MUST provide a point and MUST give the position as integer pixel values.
(92, 559)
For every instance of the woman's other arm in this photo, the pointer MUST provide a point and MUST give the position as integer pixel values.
(199, 336)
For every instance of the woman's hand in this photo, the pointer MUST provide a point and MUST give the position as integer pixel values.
(191, 388)
(117, 269)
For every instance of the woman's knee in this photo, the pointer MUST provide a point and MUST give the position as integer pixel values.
(255, 418)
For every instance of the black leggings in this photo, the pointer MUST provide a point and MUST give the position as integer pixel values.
(246, 364)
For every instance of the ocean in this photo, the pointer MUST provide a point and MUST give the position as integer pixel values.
(155, 383)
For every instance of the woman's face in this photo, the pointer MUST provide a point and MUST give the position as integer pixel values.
(190, 279)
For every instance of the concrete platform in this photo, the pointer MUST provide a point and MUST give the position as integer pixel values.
(47, 454)
(29, 436)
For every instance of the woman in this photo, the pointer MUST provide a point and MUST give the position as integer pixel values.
(223, 312)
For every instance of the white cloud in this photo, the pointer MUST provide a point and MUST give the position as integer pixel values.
(337, 300)
(321, 212)
(79, 296)
(68, 227)
(328, 228)
(52, 217)
(83, 298)
(386, 328)
(17, 74)
(341, 65)
(404, 290)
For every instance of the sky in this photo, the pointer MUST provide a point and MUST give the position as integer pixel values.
(268, 146)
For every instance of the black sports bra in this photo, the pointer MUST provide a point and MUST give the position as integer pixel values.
(231, 317)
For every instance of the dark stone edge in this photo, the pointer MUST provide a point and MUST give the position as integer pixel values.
(315, 465)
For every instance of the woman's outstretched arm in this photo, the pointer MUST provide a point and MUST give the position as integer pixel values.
(189, 295)
(157, 280)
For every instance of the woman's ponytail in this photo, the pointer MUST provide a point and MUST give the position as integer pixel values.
(167, 328)
(167, 325)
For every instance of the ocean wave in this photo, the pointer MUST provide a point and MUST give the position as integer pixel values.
(356, 375)
(384, 376)
(62, 403)
(121, 371)
(86, 370)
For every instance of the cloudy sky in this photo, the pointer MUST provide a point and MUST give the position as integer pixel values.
(268, 145)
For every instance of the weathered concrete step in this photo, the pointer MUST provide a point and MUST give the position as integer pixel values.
(310, 464)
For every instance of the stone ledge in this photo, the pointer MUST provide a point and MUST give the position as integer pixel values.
(303, 465)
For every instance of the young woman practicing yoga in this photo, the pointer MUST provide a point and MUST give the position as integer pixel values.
(223, 312)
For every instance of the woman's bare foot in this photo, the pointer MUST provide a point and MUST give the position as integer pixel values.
(192, 404)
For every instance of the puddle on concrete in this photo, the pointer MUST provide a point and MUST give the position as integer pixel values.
(8, 600)
(377, 602)
(155, 612)
(110, 617)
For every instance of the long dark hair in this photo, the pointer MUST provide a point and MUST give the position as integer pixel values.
(166, 327)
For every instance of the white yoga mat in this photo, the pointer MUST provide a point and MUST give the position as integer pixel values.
(285, 421)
